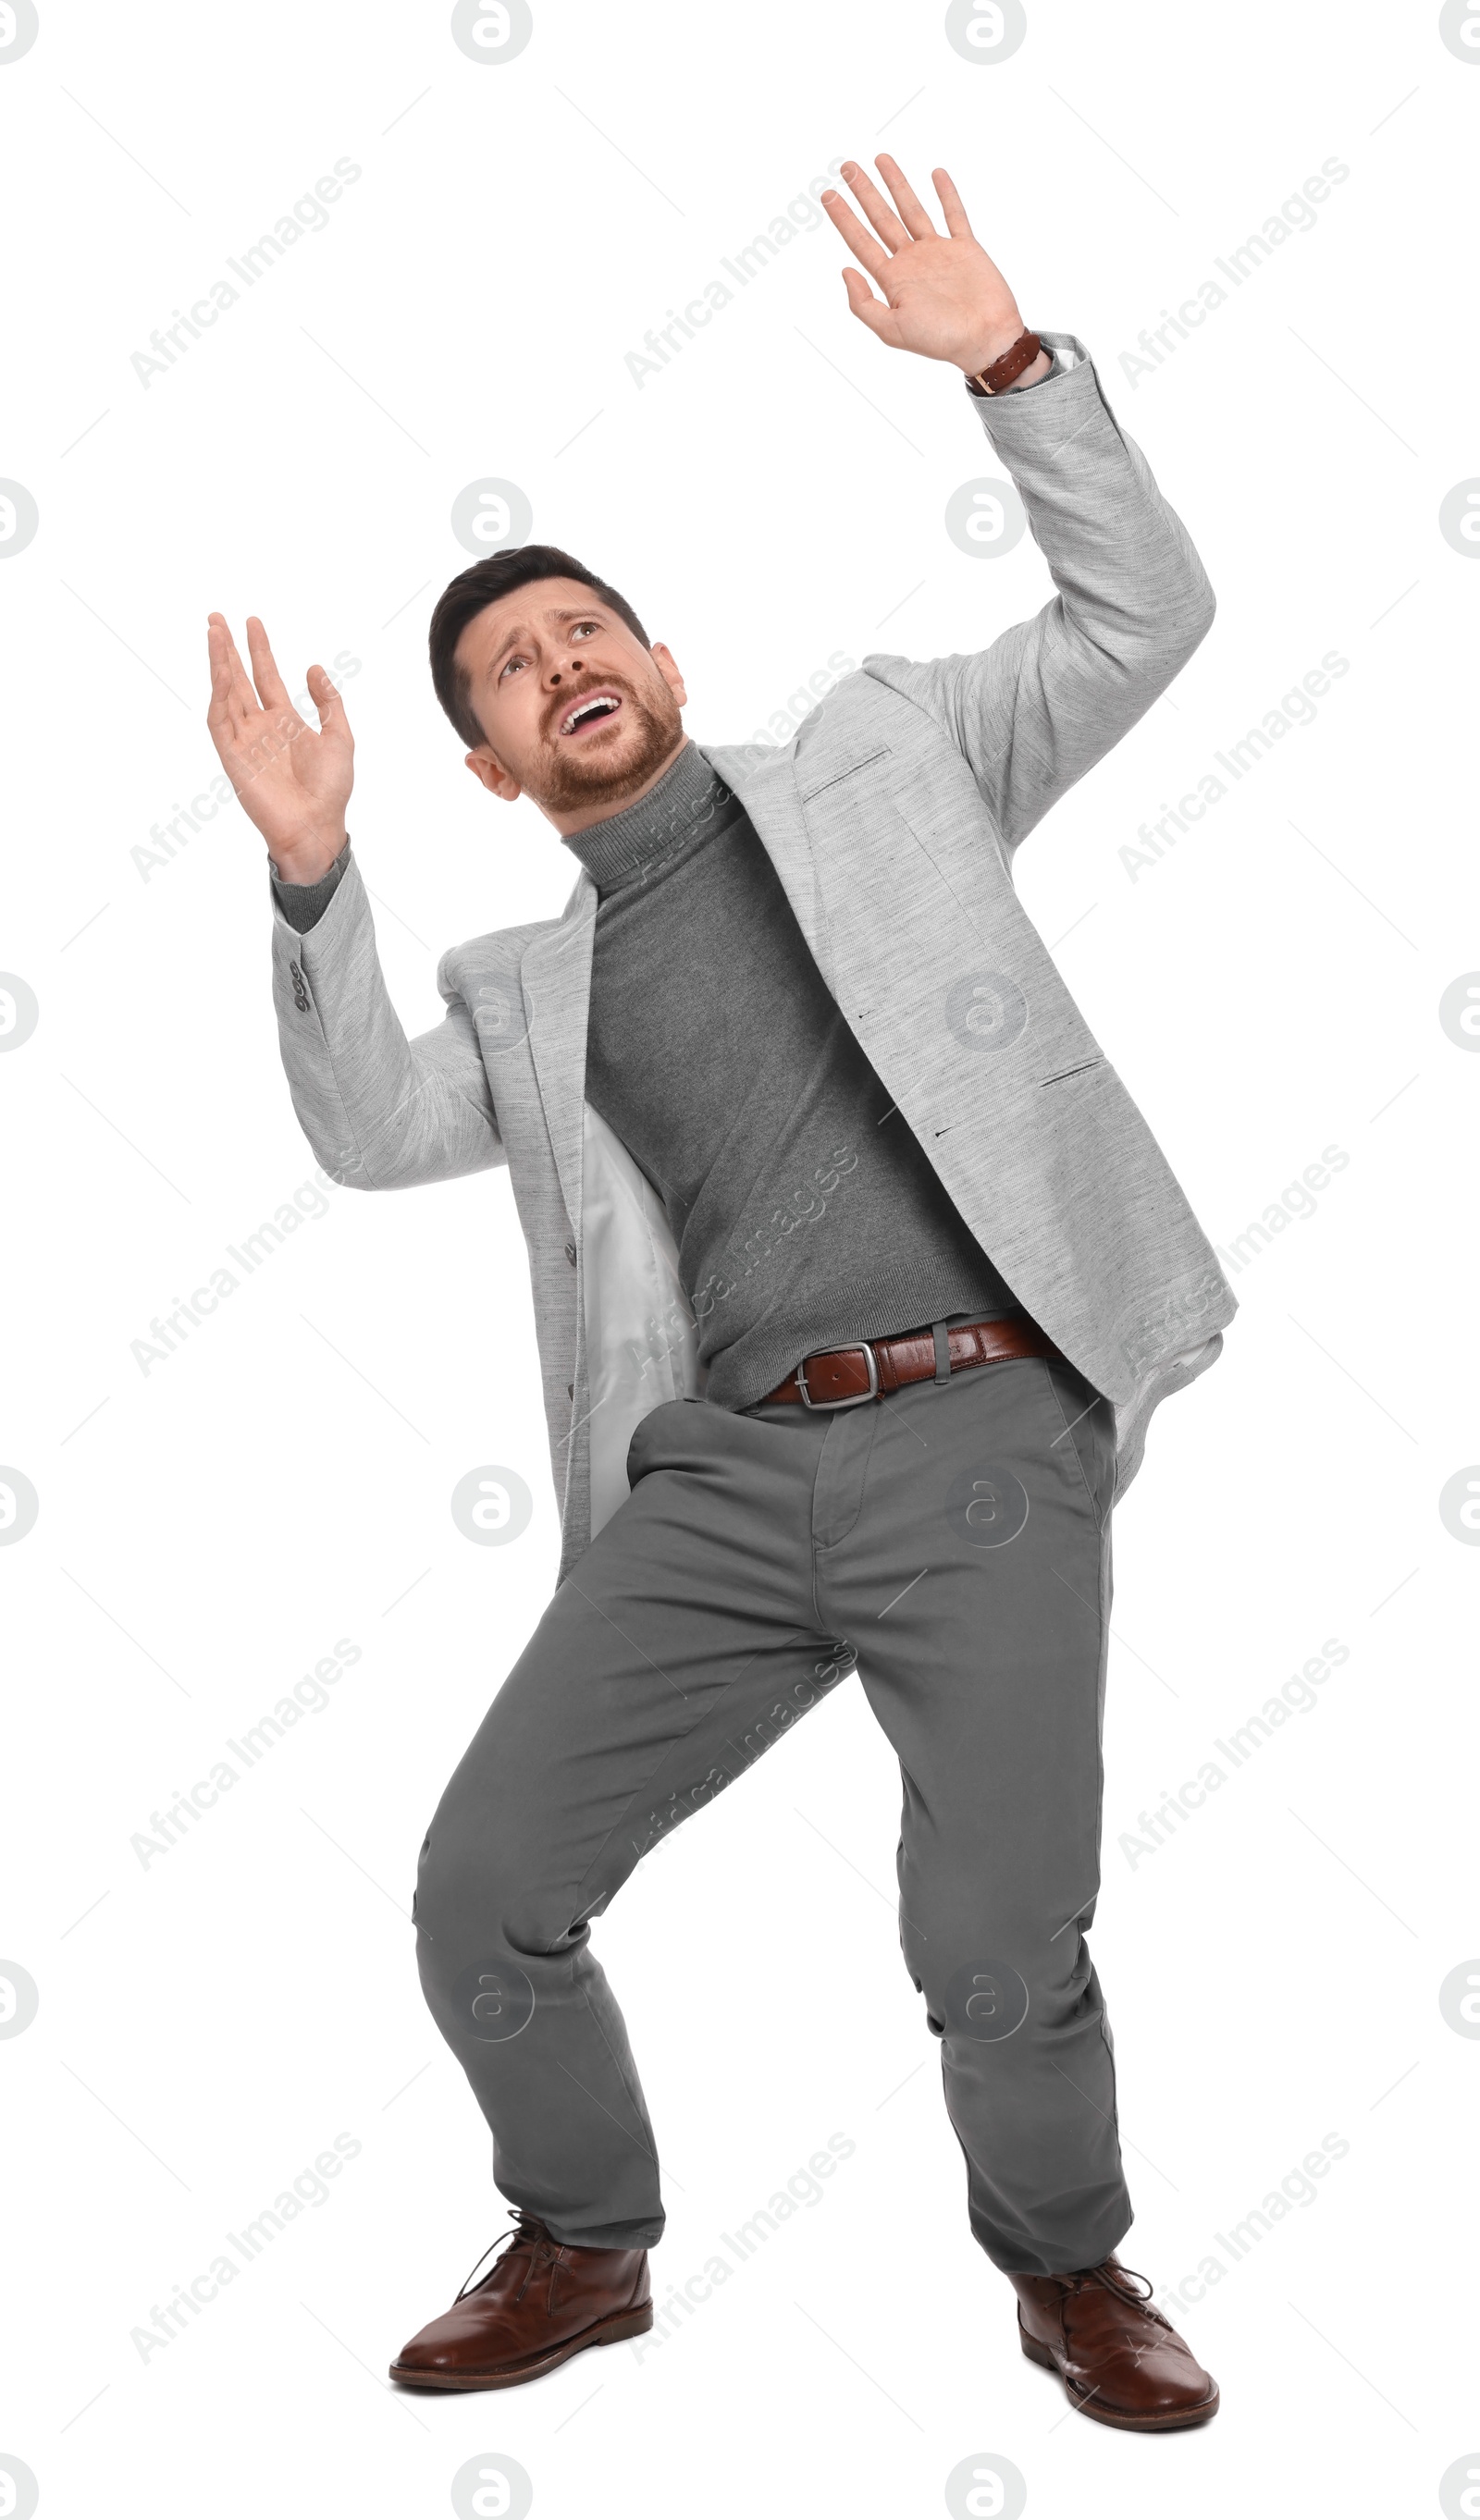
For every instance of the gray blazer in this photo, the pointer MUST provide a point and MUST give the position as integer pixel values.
(891, 816)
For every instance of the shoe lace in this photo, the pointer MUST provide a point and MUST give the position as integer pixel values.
(528, 2232)
(1122, 2282)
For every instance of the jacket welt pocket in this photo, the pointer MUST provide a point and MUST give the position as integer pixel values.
(881, 752)
(1078, 1069)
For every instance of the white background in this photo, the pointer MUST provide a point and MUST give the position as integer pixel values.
(209, 2023)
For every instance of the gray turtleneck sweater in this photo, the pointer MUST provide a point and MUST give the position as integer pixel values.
(806, 1212)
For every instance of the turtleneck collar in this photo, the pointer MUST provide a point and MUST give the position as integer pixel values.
(623, 844)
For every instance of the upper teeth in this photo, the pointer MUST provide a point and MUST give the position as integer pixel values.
(601, 699)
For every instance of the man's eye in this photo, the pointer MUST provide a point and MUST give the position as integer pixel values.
(512, 662)
(592, 626)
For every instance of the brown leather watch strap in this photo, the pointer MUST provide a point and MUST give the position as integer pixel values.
(1004, 371)
(839, 1375)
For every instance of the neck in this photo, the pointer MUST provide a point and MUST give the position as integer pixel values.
(670, 813)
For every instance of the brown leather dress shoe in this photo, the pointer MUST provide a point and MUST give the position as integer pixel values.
(540, 2303)
(1120, 2360)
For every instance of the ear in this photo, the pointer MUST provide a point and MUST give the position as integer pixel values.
(490, 773)
(666, 666)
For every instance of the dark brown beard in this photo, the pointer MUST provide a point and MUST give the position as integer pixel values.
(563, 780)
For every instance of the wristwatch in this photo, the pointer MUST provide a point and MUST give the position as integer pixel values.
(1004, 372)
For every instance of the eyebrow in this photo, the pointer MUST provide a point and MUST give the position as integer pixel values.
(565, 612)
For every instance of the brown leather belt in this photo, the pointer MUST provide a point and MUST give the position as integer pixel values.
(838, 1377)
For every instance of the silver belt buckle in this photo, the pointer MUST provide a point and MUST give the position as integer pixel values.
(851, 1398)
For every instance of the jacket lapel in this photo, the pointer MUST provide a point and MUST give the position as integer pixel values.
(554, 976)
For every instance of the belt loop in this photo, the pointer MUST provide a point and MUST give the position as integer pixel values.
(942, 1337)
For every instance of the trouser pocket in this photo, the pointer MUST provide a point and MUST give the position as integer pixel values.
(1089, 1427)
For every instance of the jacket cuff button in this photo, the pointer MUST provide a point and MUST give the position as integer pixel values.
(570, 1254)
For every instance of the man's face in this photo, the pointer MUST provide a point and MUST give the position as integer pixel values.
(575, 711)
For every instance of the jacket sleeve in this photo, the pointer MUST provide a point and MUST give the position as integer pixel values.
(380, 1111)
(1050, 697)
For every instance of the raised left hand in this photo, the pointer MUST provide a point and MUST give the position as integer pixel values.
(944, 297)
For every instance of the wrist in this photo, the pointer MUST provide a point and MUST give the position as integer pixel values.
(990, 342)
(309, 859)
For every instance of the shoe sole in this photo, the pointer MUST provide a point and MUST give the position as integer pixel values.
(509, 2375)
(1102, 2414)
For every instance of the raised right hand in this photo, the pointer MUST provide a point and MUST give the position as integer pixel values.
(291, 780)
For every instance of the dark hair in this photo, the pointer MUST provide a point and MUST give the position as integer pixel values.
(471, 593)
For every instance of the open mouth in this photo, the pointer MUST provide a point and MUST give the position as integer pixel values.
(592, 711)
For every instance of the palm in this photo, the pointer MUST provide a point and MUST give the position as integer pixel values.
(291, 780)
(944, 297)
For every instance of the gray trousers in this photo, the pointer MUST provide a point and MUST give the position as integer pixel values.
(950, 1543)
